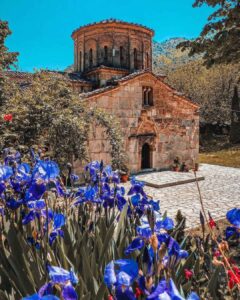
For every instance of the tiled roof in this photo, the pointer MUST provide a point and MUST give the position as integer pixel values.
(115, 83)
(106, 68)
(97, 91)
(111, 20)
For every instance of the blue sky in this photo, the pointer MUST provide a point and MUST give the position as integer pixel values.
(42, 28)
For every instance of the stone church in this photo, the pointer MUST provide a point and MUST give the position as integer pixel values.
(113, 71)
(157, 122)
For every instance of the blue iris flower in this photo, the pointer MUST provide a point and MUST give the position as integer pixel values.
(44, 293)
(61, 276)
(37, 209)
(69, 293)
(5, 173)
(125, 293)
(37, 297)
(23, 172)
(46, 170)
(120, 272)
(168, 291)
(13, 204)
(11, 157)
(233, 217)
(74, 177)
(110, 176)
(232, 231)
(137, 244)
(93, 168)
(35, 191)
(58, 222)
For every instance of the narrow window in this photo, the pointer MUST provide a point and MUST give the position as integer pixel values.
(135, 58)
(90, 58)
(121, 56)
(105, 54)
(80, 61)
(147, 61)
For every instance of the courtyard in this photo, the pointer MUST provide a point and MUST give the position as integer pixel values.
(220, 191)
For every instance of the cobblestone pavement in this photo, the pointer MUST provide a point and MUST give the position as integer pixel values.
(220, 192)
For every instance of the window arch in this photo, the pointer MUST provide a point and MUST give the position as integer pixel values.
(135, 60)
(105, 54)
(90, 58)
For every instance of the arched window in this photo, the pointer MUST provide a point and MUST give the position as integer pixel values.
(105, 54)
(135, 60)
(121, 56)
(147, 96)
(90, 58)
(80, 61)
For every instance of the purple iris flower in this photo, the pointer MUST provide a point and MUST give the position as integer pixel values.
(233, 217)
(120, 272)
(5, 173)
(46, 170)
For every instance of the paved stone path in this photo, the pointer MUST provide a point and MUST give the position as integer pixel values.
(220, 191)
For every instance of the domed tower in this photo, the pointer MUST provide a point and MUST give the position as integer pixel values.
(111, 49)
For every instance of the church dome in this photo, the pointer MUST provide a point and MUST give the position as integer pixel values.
(114, 44)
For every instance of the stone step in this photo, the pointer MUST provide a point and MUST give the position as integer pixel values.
(168, 178)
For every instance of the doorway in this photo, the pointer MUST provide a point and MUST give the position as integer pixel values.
(146, 157)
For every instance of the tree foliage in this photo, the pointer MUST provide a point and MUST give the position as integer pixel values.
(211, 88)
(219, 40)
(7, 59)
(48, 112)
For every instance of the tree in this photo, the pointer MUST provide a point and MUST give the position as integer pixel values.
(235, 118)
(7, 59)
(48, 112)
(211, 88)
(219, 40)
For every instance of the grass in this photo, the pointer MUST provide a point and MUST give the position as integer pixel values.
(226, 157)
